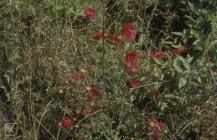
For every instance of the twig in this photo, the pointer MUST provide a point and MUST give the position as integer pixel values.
(149, 84)
(43, 126)
(42, 116)
(211, 73)
(82, 121)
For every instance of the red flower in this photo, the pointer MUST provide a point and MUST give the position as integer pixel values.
(90, 99)
(153, 122)
(132, 67)
(129, 32)
(103, 34)
(86, 111)
(90, 13)
(98, 36)
(159, 55)
(156, 93)
(143, 130)
(130, 60)
(155, 125)
(93, 94)
(179, 50)
(67, 123)
(131, 57)
(117, 41)
(95, 37)
(155, 133)
(134, 83)
(79, 76)
(161, 125)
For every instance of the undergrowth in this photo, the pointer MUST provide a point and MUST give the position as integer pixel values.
(153, 78)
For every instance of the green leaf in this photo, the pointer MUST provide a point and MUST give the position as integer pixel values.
(159, 62)
(59, 7)
(199, 80)
(177, 33)
(32, 10)
(185, 63)
(157, 72)
(71, 10)
(182, 82)
(176, 66)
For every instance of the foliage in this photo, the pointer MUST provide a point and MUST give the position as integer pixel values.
(63, 65)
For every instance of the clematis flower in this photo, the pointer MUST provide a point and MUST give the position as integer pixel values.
(129, 32)
(179, 50)
(90, 13)
(67, 123)
(98, 36)
(134, 83)
(159, 54)
(117, 41)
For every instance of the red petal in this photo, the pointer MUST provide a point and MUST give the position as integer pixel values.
(162, 125)
(132, 67)
(129, 32)
(155, 134)
(67, 123)
(103, 34)
(95, 37)
(89, 99)
(98, 36)
(118, 41)
(157, 93)
(90, 13)
(93, 94)
(179, 50)
(134, 83)
(143, 130)
(131, 57)
(78, 77)
(86, 112)
(159, 55)
(152, 122)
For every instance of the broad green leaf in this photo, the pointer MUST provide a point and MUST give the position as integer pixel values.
(176, 66)
(182, 82)
(185, 63)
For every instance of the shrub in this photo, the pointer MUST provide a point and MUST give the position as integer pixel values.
(124, 69)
